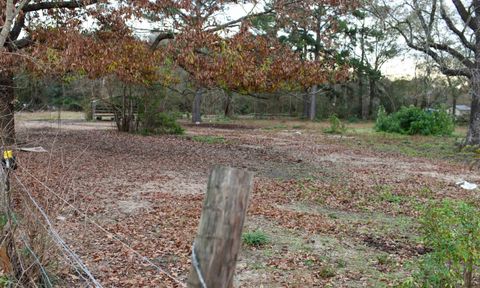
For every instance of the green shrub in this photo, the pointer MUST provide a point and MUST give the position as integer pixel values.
(413, 120)
(336, 125)
(159, 123)
(255, 238)
(452, 231)
(353, 119)
(326, 272)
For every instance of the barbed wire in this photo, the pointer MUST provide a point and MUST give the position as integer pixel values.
(58, 240)
(108, 233)
(196, 265)
(50, 251)
(37, 261)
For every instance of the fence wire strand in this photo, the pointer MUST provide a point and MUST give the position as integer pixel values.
(108, 233)
(59, 241)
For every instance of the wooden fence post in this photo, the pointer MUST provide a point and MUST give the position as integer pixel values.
(218, 240)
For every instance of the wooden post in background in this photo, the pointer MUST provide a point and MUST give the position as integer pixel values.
(218, 239)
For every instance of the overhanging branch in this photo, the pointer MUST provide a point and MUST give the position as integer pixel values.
(467, 18)
(454, 29)
(436, 57)
(58, 5)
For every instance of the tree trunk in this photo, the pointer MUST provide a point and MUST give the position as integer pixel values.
(7, 25)
(454, 106)
(360, 96)
(197, 104)
(228, 104)
(306, 105)
(473, 135)
(7, 97)
(313, 103)
(373, 84)
(453, 95)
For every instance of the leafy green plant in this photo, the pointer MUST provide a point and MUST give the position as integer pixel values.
(336, 125)
(255, 238)
(391, 198)
(159, 123)
(5, 282)
(353, 119)
(208, 139)
(223, 119)
(326, 272)
(413, 120)
(452, 231)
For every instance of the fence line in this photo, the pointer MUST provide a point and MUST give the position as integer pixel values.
(112, 235)
(42, 269)
(47, 254)
(58, 240)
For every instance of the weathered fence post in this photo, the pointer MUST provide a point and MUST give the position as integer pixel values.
(218, 240)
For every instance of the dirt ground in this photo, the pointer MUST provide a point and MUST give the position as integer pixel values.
(338, 210)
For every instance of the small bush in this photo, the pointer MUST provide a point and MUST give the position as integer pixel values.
(353, 119)
(336, 125)
(160, 123)
(452, 232)
(255, 238)
(413, 120)
(326, 272)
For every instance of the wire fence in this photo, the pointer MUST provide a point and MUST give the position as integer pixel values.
(73, 259)
(37, 211)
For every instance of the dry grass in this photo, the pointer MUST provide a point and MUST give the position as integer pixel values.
(48, 116)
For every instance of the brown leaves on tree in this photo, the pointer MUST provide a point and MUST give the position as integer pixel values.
(241, 61)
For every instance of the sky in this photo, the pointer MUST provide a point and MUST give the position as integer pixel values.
(400, 67)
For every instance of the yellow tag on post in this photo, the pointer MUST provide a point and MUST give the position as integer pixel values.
(7, 154)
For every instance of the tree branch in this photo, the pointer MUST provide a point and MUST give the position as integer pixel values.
(457, 55)
(445, 70)
(469, 20)
(20, 44)
(233, 22)
(58, 4)
(454, 29)
(160, 37)
(17, 28)
(9, 16)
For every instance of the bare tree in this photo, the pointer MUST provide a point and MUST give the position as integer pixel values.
(449, 34)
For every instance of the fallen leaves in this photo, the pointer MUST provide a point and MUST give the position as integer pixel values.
(161, 178)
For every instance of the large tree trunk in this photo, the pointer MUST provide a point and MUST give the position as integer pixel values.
(313, 103)
(197, 104)
(473, 136)
(7, 97)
